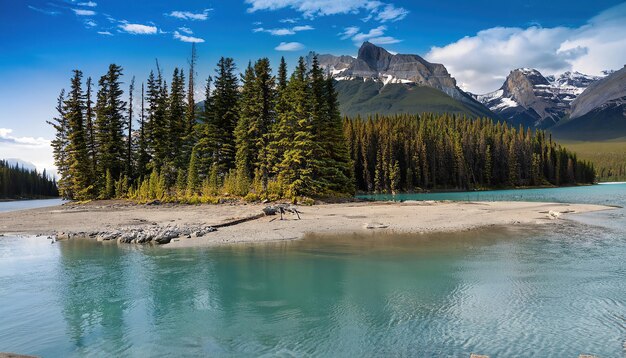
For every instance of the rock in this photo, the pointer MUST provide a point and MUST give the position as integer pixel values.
(154, 202)
(553, 215)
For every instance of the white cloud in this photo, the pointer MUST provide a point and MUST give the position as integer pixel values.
(288, 21)
(481, 62)
(311, 8)
(284, 31)
(106, 33)
(391, 13)
(34, 150)
(88, 4)
(186, 30)
(375, 36)
(183, 38)
(44, 11)
(289, 46)
(83, 12)
(348, 32)
(188, 15)
(90, 23)
(138, 29)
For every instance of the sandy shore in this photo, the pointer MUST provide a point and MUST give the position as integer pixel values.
(408, 217)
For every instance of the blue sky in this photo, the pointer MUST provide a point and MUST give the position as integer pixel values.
(478, 41)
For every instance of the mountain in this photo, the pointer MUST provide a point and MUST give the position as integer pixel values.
(530, 99)
(377, 81)
(599, 112)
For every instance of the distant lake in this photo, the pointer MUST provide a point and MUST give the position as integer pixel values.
(523, 293)
(15, 205)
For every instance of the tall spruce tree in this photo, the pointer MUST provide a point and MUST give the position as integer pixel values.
(143, 157)
(177, 125)
(60, 145)
(224, 107)
(298, 165)
(244, 136)
(89, 119)
(129, 137)
(80, 169)
(207, 133)
(110, 123)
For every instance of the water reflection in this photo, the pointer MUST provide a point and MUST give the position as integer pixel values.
(498, 292)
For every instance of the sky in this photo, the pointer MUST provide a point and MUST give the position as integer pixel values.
(478, 41)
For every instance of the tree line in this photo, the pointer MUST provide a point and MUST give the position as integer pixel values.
(261, 135)
(258, 135)
(430, 151)
(17, 182)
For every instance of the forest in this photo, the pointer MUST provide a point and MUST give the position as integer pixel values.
(430, 151)
(263, 136)
(17, 182)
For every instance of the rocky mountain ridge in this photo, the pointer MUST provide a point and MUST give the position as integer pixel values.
(531, 99)
(375, 64)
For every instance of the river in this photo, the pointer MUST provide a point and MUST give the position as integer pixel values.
(523, 293)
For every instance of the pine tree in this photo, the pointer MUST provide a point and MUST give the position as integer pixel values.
(224, 110)
(60, 145)
(244, 135)
(177, 121)
(78, 155)
(206, 146)
(89, 118)
(142, 157)
(129, 124)
(110, 123)
(298, 165)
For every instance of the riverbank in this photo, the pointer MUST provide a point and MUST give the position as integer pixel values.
(104, 217)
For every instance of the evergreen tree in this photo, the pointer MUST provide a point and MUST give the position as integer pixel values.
(298, 164)
(110, 123)
(129, 124)
(89, 118)
(244, 136)
(142, 157)
(177, 121)
(224, 109)
(80, 169)
(60, 145)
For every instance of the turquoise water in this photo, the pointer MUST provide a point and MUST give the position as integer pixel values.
(525, 293)
(28, 204)
(597, 194)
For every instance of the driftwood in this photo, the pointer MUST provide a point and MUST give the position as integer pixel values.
(281, 209)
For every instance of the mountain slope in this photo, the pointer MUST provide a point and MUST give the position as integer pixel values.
(377, 81)
(599, 113)
(530, 99)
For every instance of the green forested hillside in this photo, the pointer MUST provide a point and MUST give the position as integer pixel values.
(411, 152)
(372, 97)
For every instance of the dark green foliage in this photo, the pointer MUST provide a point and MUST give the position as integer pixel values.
(19, 183)
(60, 145)
(224, 109)
(110, 123)
(80, 169)
(408, 152)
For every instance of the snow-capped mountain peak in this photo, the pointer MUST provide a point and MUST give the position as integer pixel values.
(529, 98)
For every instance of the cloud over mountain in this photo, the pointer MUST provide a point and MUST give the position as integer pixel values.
(481, 62)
